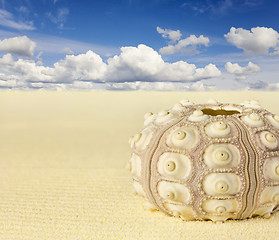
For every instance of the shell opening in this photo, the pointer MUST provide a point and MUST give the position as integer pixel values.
(212, 112)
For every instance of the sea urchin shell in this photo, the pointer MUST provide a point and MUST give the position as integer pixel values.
(208, 161)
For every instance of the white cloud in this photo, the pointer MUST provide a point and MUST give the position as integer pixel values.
(88, 66)
(241, 72)
(39, 58)
(23, 9)
(253, 3)
(182, 44)
(199, 86)
(76, 85)
(7, 20)
(258, 85)
(67, 50)
(21, 46)
(10, 81)
(140, 63)
(27, 69)
(50, 86)
(222, 7)
(145, 86)
(134, 63)
(170, 34)
(144, 63)
(36, 84)
(82, 85)
(273, 86)
(60, 17)
(159, 86)
(258, 41)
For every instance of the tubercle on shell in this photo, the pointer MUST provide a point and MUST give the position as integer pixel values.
(225, 157)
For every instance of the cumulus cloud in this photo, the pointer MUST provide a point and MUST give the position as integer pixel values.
(273, 86)
(88, 66)
(7, 20)
(76, 85)
(82, 85)
(22, 46)
(242, 72)
(11, 81)
(142, 64)
(134, 63)
(27, 69)
(258, 85)
(183, 44)
(159, 86)
(49, 86)
(258, 41)
(170, 34)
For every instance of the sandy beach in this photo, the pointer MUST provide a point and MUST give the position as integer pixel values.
(62, 167)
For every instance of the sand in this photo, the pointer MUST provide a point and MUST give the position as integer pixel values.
(62, 168)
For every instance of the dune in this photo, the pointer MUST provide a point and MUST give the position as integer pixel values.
(62, 167)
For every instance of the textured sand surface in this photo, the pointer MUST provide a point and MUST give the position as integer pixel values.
(62, 168)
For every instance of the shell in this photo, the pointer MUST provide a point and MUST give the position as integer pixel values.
(210, 161)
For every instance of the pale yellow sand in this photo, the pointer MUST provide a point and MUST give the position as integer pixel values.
(62, 176)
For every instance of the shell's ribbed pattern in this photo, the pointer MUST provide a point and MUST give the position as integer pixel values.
(208, 161)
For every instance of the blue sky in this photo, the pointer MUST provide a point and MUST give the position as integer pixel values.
(136, 44)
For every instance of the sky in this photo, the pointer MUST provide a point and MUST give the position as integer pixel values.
(160, 45)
